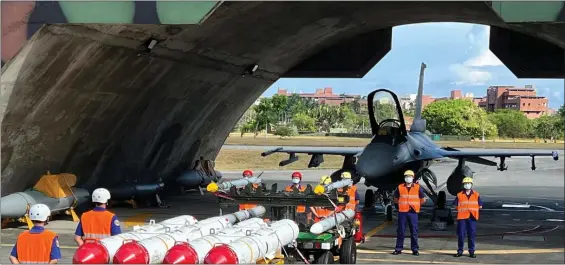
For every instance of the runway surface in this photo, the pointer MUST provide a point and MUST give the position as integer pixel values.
(522, 220)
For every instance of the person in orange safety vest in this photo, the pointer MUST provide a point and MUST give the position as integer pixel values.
(296, 179)
(247, 174)
(322, 212)
(98, 223)
(409, 196)
(468, 203)
(38, 245)
(351, 192)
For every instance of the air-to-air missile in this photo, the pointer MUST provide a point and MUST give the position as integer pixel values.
(334, 185)
(238, 183)
(103, 251)
(194, 251)
(264, 243)
(152, 250)
(330, 221)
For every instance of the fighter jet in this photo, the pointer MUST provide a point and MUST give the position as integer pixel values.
(393, 150)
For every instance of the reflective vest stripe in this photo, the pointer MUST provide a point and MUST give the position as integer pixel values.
(97, 225)
(96, 236)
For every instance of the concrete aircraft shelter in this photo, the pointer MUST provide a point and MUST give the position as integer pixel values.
(82, 93)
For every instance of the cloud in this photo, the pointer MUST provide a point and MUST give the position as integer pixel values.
(469, 75)
(557, 94)
(486, 58)
(478, 38)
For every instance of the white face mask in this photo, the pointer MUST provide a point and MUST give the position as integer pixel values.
(295, 181)
(467, 186)
(408, 179)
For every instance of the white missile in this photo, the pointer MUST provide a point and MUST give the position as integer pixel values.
(195, 251)
(334, 185)
(152, 250)
(103, 251)
(330, 221)
(238, 183)
(264, 243)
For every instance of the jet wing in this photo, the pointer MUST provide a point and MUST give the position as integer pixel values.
(475, 156)
(316, 152)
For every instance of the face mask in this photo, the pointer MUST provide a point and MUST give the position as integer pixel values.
(295, 181)
(408, 179)
(467, 186)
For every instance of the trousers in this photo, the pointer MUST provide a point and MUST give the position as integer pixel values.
(468, 226)
(412, 220)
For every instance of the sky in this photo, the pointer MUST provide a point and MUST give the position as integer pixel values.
(456, 55)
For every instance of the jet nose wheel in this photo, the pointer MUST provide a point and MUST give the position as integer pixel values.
(369, 199)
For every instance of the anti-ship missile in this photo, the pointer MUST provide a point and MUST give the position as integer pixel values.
(16, 204)
(194, 251)
(238, 183)
(152, 250)
(102, 251)
(334, 185)
(197, 178)
(262, 244)
(126, 192)
(330, 221)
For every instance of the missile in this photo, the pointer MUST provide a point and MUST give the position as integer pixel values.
(238, 183)
(15, 205)
(127, 192)
(334, 185)
(264, 243)
(196, 178)
(195, 251)
(330, 221)
(152, 250)
(102, 251)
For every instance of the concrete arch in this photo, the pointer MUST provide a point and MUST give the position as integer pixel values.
(89, 100)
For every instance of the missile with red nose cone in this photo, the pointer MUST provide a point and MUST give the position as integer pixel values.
(102, 251)
(262, 244)
(152, 250)
(195, 251)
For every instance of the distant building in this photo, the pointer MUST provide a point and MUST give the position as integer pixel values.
(325, 96)
(522, 99)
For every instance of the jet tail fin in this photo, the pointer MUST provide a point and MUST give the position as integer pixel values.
(419, 124)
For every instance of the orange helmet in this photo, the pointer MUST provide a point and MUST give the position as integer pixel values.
(297, 175)
(247, 172)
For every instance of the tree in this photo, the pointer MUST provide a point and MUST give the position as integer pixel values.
(286, 131)
(546, 127)
(510, 123)
(304, 122)
(383, 111)
(457, 117)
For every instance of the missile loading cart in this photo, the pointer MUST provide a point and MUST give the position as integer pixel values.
(321, 242)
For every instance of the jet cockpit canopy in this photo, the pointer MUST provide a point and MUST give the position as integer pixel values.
(386, 115)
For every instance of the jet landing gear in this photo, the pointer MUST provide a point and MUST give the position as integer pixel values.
(385, 198)
(441, 212)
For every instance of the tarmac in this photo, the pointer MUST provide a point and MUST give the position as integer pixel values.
(522, 220)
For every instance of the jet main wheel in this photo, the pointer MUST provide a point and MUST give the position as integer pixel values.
(388, 213)
(369, 198)
(325, 258)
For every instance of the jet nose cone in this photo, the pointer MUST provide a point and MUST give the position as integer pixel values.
(221, 255)
(91, 253)
(377, 159)
(131, 253)
(181, 254)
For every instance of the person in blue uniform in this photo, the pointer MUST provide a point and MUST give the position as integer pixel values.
(409, 196)
(468, 203)
(98, 223)
(38, 245)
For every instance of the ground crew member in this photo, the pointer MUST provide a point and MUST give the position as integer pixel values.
(38, 245)
(248, 174)
(468, 203)
(352, 192)
(409, 196)
(97, 223)
(296, 179)
(321, 212)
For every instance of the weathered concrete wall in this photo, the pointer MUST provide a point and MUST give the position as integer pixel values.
(80, 98)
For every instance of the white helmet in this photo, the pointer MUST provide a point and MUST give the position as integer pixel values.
(39, 212)
(100, 195)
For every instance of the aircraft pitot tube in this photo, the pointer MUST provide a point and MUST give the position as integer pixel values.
(330, 221)
(195, 251)
(265, 243)
(225, 186)
(334, 185)
(103, 251)
(152, 250)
